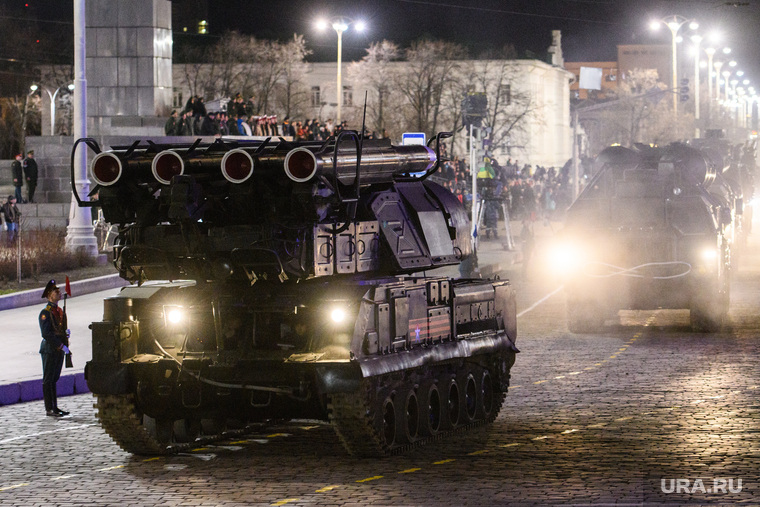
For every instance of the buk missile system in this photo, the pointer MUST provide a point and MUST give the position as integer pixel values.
(274, 280)
(653, 229)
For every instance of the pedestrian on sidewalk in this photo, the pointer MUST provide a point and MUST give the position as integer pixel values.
(18, 176)
(54, 347)
(12, 218)
(31, 173)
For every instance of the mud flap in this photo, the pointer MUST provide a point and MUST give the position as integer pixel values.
(106, 378)
(504, 366)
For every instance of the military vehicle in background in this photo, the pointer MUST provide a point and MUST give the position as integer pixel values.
(273, 280)
(654, 228)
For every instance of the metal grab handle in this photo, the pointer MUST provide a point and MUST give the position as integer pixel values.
(93, 144)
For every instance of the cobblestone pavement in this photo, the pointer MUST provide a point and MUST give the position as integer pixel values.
(621, 417)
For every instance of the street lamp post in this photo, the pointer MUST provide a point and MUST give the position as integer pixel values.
(52, 96)
(726, 74)
(26, 109)
(79, 234)
(340, 25)
(710, 53)
(696, 39)
(717, 65)
(674, 23)
(734, 102)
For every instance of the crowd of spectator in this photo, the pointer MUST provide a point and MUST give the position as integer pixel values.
(530, 192)
(239, 118)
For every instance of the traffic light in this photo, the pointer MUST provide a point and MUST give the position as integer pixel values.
(684, 90)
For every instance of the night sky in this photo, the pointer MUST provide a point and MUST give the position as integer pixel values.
(591, 29)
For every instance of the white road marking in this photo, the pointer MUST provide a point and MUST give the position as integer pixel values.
(534, 305)
(31, 435)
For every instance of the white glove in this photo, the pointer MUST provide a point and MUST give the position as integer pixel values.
(66, 350)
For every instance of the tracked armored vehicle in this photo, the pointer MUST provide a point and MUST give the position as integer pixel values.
(276, 280)
(651, 230)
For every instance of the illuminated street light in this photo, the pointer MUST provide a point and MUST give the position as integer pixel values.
(726, 74)
(674, 23)
(696, 39)
(717, 65)
(340, 25)
(710, 53)
(52, 96)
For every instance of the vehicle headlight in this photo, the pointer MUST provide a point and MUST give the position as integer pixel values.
(338, 315)
(566, 258)
(709, 254)
(174, 316)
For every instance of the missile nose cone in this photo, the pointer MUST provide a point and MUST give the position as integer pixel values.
(300, 165)
(166, 165)
(237, 166)
(106, 169)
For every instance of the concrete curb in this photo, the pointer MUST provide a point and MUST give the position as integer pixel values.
(34, 296)
(31, 390)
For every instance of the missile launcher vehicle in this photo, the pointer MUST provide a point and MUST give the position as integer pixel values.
(652, 230)
(275, 280)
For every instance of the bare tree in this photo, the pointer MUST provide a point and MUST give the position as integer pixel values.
(375, 73)
(276, 63)
(291, 94)
(641, 113)
(197, 73)
(509, 106)
(243, 64)
(431, 68)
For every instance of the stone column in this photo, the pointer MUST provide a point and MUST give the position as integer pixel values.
(129, 66)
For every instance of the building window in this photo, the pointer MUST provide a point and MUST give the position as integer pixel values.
(177, 99)
(316, 96)
(348, 96)
(506, 92)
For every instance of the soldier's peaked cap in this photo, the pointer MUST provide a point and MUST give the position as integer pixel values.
(50, 287)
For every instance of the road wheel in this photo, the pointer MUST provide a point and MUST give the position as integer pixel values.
(389, 421)
(213, 426)
(433, 410)
(452, 404)
(486, 395)
(186, 430)
(412, 416)
(471, 398)
(160, 429)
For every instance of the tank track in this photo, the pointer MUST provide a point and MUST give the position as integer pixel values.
(125, 424)
(358, 417)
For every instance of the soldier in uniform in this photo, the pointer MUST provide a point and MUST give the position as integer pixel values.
(54, 346)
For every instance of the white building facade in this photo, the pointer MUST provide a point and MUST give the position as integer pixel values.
(544, 139)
